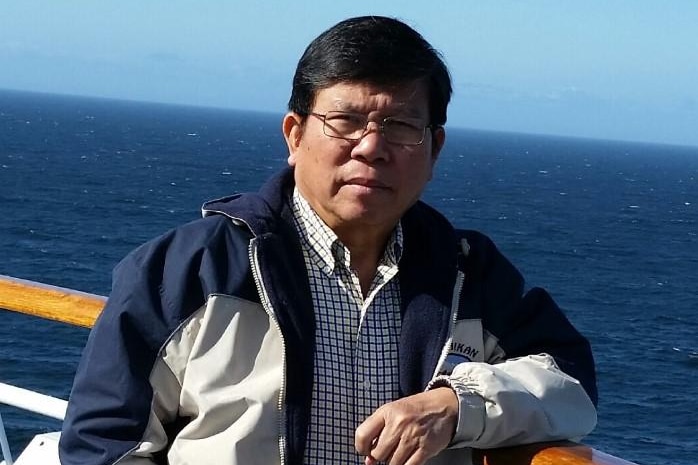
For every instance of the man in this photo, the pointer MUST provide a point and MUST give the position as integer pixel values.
(331, 318)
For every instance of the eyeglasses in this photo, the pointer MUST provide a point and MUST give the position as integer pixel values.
(353, 126)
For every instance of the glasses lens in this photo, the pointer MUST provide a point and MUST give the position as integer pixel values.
(403, 131)
(344, 125)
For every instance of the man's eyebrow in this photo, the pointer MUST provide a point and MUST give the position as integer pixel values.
(402, 109)
(351, 107)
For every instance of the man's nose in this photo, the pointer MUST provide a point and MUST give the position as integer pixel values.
(372, 146)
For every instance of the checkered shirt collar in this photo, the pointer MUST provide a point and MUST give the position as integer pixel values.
(329, 250)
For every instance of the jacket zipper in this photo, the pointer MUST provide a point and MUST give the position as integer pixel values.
(455, 304)
(267, 307)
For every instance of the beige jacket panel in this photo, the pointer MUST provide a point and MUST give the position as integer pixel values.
(224, 370)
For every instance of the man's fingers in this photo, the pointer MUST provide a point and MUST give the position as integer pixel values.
(419, 457)
(386, 446)
(401, 454)
(367, 434)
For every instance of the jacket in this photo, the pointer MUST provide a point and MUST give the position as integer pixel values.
(204, 351)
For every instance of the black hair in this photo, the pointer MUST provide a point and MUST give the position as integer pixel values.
(372, 49)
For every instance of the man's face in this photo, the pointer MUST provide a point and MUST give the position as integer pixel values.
(363, 185)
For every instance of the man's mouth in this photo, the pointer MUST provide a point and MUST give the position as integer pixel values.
(367, 182)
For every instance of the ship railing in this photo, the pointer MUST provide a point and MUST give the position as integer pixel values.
(82, 309)
(29, 401)
(53, 303)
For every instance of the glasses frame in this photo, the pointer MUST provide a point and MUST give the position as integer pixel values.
(381, 127)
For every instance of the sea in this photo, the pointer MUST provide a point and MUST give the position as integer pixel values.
(609, 228)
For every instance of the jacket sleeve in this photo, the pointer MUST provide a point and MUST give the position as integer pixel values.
(518, 401)
(124, 402)
(538, 381)
(114, 413)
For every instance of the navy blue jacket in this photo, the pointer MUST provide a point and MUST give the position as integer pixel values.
(160, 285)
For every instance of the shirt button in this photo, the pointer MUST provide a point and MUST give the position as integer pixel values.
(367, 384)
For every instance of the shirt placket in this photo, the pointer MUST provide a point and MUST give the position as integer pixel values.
(374, 367)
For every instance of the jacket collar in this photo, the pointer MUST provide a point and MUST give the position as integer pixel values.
(259, 211)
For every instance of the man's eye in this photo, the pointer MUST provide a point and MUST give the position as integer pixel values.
(404, 125)
(345, 118)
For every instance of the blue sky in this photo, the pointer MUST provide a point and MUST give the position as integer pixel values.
(615, 69)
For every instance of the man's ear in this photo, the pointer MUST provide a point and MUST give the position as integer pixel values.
(292, 127)
(438, 138)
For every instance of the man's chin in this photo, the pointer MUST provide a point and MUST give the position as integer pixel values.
(370, 216)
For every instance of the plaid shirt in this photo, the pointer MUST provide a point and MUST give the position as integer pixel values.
(356, 338)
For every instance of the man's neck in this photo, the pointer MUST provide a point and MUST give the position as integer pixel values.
(367, 248)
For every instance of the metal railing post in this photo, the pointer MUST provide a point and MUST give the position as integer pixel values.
(6, 454)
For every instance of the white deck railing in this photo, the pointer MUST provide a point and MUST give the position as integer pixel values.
(31, 401)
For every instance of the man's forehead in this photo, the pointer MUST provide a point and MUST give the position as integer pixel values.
(410, 96)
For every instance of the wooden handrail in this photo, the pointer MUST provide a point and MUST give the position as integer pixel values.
(50, 302)
(81, 309)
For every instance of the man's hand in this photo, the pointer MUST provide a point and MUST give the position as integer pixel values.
(410, 430)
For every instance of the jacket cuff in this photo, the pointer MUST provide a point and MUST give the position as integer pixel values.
(471, 411)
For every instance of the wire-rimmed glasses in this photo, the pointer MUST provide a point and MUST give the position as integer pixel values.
(353, 126)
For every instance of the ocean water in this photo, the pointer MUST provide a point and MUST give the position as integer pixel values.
(609, 228)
